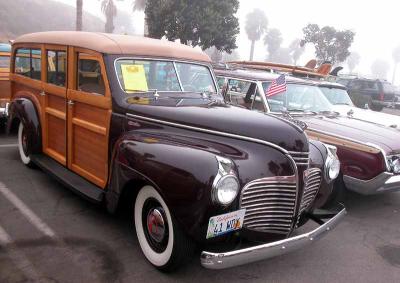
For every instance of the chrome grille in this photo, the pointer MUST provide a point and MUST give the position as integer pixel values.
(311, 188)
(270, 204)
(301, 158)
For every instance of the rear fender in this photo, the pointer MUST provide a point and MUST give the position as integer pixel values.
(23, 110)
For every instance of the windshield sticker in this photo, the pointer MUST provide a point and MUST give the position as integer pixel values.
(134, 77)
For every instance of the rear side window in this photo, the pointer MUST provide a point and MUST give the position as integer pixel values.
(56, 67)
(89, 75)
(28, 63)
(4, 62)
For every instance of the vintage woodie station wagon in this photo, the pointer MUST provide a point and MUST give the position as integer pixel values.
(119, 118)
(369, 153)
(5, 92)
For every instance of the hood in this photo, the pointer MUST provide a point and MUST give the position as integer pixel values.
(218, 116)
(354, 129)
(380, 118)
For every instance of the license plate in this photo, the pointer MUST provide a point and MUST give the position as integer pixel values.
(225, 223)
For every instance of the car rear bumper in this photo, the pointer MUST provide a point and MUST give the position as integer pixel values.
(261, 252)
(384, 182)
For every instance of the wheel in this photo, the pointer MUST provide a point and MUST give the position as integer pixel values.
(162, 242)
(23, 145)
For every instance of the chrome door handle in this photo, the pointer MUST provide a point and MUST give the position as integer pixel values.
(42, 93)
(70, 102)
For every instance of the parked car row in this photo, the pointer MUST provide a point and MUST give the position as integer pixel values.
(137, 121)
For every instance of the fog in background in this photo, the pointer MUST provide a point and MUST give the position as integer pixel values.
(374, 24)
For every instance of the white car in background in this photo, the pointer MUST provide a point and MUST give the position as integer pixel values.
(338, 96)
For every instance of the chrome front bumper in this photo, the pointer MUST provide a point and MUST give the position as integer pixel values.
(384, 182)
(243, 256)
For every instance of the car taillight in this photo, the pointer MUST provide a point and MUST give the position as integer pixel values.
(381, 96)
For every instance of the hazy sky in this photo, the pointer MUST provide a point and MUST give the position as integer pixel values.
(374, 23)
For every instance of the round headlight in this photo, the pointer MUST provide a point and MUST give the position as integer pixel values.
(396, 166)
(334, 169)
(226, 189)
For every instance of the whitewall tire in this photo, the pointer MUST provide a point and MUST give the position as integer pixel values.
(22, 145)
(164, 245)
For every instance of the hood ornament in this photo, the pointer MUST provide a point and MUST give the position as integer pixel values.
(302, 125)
(350, 113)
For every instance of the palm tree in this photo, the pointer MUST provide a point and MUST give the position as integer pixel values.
(140, 5)
(110, 11)
(396, 58)
(256, 26)
(79, 6)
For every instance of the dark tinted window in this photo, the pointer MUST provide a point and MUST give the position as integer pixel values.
(89, 75)
(28, 63)
(56, 67)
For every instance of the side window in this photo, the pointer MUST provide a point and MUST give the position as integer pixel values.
(4, 62)
(23, 62)
(28, 63)
(241, 92)
(56, 67)
(89, 76)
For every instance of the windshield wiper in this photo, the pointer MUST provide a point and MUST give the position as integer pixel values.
(301, 110)
(342, 103)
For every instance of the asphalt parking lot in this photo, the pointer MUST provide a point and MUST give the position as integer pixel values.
(49, 234)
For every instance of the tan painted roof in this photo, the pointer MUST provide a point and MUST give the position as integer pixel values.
(116, 44)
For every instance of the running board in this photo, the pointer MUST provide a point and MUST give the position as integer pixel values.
(68, 178)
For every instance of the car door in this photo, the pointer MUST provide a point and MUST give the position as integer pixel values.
(88, 115)
(54, 94)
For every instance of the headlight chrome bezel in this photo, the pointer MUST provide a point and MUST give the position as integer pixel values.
(225, 171)
(332, 161)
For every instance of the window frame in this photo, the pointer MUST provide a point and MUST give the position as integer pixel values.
(208, 66)
(55, 48)
(25, 80)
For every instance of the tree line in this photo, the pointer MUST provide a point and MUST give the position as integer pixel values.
(214, 26)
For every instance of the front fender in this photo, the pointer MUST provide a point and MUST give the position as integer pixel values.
(182, 175)
(24, 110)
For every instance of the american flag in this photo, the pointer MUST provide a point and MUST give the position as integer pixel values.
(277, 86)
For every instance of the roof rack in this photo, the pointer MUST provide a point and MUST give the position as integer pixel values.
(308, 71)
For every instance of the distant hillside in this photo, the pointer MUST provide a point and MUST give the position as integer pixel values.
(24, 16)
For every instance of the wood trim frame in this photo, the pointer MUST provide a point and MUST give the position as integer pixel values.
(53, 90)
(98, 101)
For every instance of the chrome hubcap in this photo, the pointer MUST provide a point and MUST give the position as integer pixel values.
(156, 225)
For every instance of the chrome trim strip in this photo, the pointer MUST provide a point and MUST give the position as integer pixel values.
(383, 153)
(261, 252)
(224, 134)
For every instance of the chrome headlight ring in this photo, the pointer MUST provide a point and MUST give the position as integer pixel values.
(226, 184)
(332, 163)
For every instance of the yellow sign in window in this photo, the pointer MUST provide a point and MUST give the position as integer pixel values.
(134, 77)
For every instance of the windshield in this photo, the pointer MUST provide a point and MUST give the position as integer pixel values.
(298, 98)
(4, 62)
(337, 96)
(137, 75)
